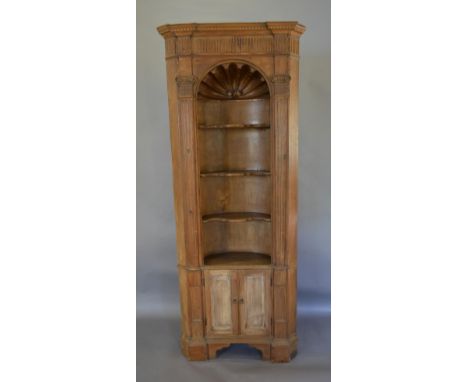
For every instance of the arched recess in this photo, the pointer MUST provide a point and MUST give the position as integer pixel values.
(233, 140)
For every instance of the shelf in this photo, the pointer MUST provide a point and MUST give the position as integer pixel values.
(236, 173)
(237, 258)
(236, 126)
(236, 217)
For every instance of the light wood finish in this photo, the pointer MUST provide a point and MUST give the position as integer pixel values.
(254, 302)
(233, 114)
(221, 302)
(238, 302)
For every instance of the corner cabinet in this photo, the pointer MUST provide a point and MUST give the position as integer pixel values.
(233, 114)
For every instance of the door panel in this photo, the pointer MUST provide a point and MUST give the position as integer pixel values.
(254, 302)
(221, 302)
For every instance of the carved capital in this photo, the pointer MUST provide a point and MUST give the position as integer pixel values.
(281, 84)
(281, 79)
(185, 86)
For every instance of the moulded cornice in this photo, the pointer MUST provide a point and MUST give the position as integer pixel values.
(168, 30)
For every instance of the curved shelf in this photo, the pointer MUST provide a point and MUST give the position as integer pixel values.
(236, 173)
(236, 126)
(236, 217)
(237, 258)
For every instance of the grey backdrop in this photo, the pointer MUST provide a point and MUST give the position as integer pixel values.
(157, 286)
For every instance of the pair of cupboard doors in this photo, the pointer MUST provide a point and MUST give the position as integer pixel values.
(238, 302)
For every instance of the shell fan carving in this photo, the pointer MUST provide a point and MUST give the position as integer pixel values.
(233, 81)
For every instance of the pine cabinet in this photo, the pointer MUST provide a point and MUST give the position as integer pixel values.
(233, 115)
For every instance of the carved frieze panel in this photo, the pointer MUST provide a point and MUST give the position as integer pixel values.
(233, 45)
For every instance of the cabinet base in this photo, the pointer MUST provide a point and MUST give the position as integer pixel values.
(194, 350)
(283, 350)
(276, 350)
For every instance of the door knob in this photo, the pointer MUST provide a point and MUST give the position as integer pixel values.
(241, 301)
(234, 300)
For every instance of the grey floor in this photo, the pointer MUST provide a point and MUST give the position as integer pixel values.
(159, 358)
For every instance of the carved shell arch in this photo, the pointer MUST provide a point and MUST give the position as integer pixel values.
(234, 80)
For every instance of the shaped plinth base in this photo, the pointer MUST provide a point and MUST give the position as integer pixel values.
(279, 350)
(264, 349)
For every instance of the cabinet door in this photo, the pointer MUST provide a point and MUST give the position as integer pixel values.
(254, 302)
(221, 302)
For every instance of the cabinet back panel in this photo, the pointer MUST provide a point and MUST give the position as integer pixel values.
(235, 194)
(235, 112)
(233, 149)
(252, 236)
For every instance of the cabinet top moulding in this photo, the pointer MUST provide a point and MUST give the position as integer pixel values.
(203, 29)
(265, 38)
